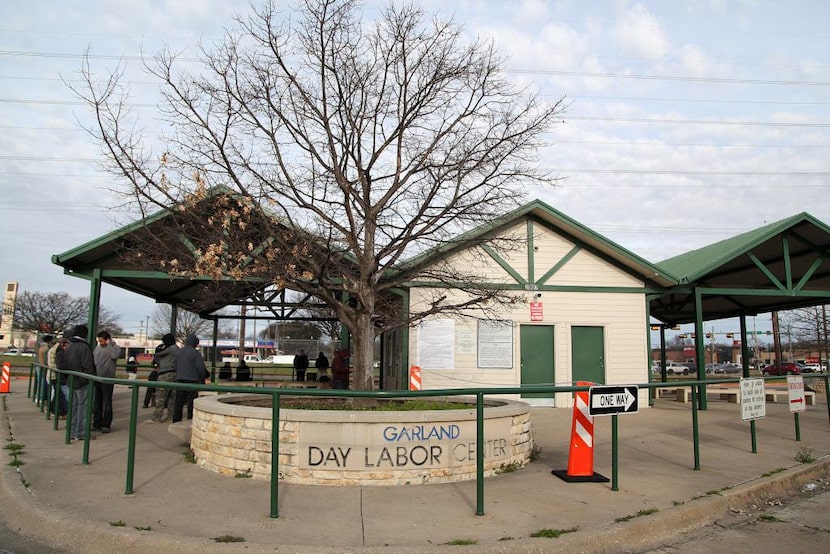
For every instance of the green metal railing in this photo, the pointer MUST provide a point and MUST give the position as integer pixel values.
(39, 392)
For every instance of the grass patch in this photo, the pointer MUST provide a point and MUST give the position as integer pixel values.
(118, 523)
(13, 447)
(506, 539)
(508, 468)
(228, 538)
(461, 542)
(773, 472)
(535, 449)
(189, 456)
(553, 533)
(141, 528)
(641, 513)
(772, 519)
(805, 455)
(244, 474)
(17, 463)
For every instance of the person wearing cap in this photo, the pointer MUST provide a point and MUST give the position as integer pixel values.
(165, 358)
(132, 368)
(190, 368)
(106, 353)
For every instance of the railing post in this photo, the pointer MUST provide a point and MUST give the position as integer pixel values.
(70, 405)
(479, 453)
(90, 398)
(134, 390)
(695, 430)
(614, 453)
(275, 453)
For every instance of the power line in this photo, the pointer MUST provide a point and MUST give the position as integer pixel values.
(695, 121)
(680, 78)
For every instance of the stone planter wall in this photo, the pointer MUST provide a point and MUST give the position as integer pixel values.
(231, 435)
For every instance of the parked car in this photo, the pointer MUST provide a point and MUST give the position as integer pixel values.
(676, 368)
(785, 368)
(811, 368)
(727, 368)
(249, 359)
(283, 359)
(18, 352)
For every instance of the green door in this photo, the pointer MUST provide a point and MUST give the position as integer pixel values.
(588, 354)
(537, 357)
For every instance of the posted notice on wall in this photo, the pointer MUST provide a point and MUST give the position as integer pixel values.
(495, 344)
(436, 344)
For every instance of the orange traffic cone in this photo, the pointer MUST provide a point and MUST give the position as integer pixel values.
(581, 454)
(5, 378)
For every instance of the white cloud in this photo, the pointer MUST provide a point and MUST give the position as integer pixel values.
(638, 33)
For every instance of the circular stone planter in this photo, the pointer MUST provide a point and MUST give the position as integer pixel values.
(231, 435)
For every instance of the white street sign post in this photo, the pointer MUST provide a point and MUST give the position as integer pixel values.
(753, 399)
(795, 393)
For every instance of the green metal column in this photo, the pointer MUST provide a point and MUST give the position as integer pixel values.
(700, 347)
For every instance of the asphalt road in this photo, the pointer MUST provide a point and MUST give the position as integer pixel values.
(797, 524)
(11, 542)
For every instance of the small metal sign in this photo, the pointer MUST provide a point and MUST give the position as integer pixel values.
(613, 399)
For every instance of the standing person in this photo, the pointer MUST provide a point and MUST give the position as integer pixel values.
(132, 368)
(300, 365)
(58, 380)
(77, 356)
(40, 368)
(190, 368)
(150, 395)
(165, 358)
(105, 354)
(340, 369)
(322, 365)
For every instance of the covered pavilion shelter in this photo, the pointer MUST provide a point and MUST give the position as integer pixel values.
(780, 266)
(116, 259)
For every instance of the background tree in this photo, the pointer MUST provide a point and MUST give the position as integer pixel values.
(186, 323)
(348, 147)
(56, 312)
(807, 328)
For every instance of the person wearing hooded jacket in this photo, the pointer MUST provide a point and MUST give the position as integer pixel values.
(190, 368)
(165, 359)
(78, 357)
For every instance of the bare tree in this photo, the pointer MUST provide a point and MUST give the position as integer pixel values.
(807, 327)
(55, 312)
(346, 148)
(186, 323)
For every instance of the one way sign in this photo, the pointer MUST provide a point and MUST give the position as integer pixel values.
(614, 399)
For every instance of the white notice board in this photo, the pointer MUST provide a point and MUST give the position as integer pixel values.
(753, 399)
(436, 344)
(495, 344)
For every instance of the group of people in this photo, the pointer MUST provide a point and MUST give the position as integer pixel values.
(73, 352)
(171, 363)
(180, 365)
(339, 368)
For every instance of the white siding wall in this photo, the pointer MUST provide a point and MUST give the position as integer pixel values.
(622, 315)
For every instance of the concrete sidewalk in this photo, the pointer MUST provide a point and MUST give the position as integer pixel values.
(177, 507)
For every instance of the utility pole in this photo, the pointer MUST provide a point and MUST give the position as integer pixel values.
(776, 338)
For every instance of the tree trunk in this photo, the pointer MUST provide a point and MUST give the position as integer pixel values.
(362, 355)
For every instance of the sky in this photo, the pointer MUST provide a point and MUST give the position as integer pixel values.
(688, 121)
